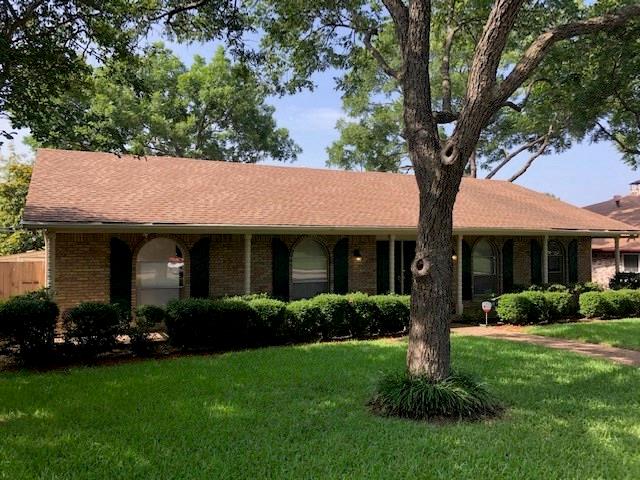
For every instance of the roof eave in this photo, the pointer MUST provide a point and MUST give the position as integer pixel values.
(317, 229)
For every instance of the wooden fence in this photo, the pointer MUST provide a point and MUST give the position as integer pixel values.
(21, 273)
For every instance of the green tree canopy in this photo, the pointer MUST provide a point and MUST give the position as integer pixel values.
(155, 105)
(15, 175)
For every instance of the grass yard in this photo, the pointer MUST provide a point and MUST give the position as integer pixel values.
(300, 412)
(617, 333)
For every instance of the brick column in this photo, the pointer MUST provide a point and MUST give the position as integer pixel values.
(50, 259)
(247, 263)
(617, 254)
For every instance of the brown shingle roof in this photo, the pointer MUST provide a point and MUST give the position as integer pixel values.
(627, 210)
(82, 187)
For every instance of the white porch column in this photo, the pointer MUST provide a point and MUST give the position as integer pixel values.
(50, 259)
(392, 263)
(459, 305)
(247, 263)
(545, 259)
(617, 246)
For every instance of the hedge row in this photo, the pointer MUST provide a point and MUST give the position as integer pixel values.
(610, 304)
(237, 322)
(536, 306)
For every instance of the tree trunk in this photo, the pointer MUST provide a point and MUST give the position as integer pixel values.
(428, 352)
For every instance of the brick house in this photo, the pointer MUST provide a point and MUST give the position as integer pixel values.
(146, 230)
(605, 260)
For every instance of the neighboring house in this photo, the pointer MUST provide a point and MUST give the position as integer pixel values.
(146, 230)
(625, 209)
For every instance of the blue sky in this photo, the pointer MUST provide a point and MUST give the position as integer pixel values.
(586, 174)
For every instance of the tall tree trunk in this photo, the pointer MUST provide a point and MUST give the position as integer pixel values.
(428, 352)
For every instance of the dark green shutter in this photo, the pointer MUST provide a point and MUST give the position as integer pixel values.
(507, 266)
(573, 261)
(200, 255)
(467, 273)
(280, 269)
(397, 269)
(409, 251)
(341, 266)
(120, 265)
(536, 263)
(382, 266)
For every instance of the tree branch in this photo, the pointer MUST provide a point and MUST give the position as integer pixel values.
(378, 56)
(611, 136)
(532, 158)
(539, 48)
(510, 156)
(446, 59)
(476, 109)
(169, 14)
(400, 15)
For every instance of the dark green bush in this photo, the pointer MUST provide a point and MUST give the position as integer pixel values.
(221, 323)
(29, 321)
(337, 315)
(540, 311)
(583, 287)
(624, 280)
(561, 305)
(457, 397)
(92, 327)
(269, 321)
(514, 308)
(303, 321)
(621, 303)
(365, 315)
(394, 313)
(147, 318)
(595, 304)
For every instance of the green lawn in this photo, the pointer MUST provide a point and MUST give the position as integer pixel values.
(300, 413)
(617, 333)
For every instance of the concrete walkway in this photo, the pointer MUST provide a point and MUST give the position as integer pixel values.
(516, 334)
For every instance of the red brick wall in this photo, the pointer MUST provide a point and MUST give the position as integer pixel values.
(82, 262)
(604, 267)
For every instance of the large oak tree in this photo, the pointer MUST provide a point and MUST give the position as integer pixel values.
(305, 37)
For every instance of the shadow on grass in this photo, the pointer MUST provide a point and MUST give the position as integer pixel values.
(294, 412)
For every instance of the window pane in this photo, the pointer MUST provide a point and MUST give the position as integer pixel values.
(630, 263)
(555, 259)
(159, 272)
(309, 269)
(485, 279)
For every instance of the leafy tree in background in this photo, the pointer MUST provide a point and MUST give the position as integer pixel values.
(583, 91)
(46, 46)
(155, 105)
(14, 185)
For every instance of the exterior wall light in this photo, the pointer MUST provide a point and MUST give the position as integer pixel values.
(454, 257)
(357, 255)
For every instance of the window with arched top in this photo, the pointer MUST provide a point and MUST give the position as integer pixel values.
(309, 269)
(485, 268)
(159, 272)
(556, 262)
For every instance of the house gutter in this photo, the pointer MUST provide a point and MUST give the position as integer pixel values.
(97, 227)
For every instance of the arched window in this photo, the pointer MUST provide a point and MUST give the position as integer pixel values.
(309, 272)
(485, 274)
(159, 272)
(556, 261)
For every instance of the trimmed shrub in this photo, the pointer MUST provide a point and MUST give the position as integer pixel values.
(561, 305)
(457, 397)
(540, 311)
(92, 326)
(621, 303)
(625, 280)
(221, 323)
(582, 287)
(394, 313)
(594, 304)
(29, 321)
(269, 321)
(337, 315)
(147, 318)
(303, 320)
(365, 315)
(514, 308)
(557, 287)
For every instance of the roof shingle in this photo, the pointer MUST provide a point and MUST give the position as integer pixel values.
(87, 187)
